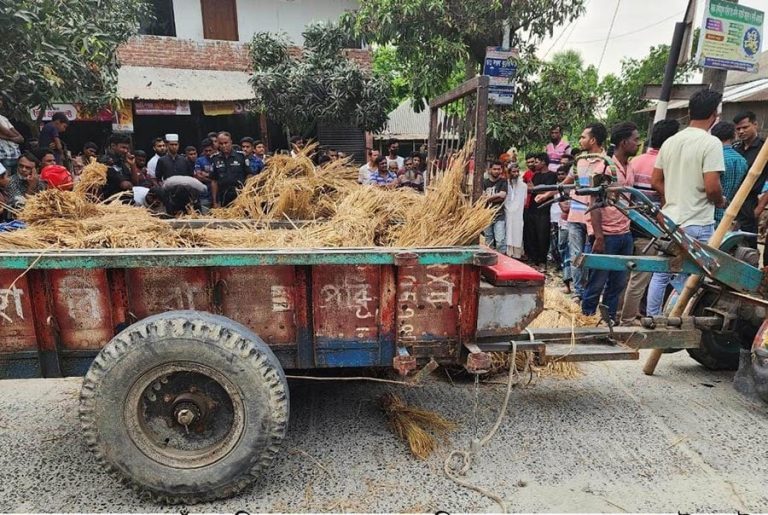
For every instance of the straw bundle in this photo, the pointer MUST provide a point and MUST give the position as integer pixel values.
(92, 179)
(416, 426)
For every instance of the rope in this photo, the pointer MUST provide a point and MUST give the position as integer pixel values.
(458, 463)
(360, 378)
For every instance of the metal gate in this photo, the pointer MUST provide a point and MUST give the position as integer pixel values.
(455, 118)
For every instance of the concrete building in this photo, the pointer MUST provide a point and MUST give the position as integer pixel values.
(188, 72)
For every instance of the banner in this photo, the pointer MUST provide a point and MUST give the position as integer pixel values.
(223, 108)
(73, 112)
(123, 120)
(501, 71)
(731, 37)
(162, 107)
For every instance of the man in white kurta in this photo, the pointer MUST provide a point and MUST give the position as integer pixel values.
(514, 204)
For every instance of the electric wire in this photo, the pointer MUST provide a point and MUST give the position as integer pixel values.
(608, 36)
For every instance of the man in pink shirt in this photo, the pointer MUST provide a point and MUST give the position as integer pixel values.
(610, 227)
(642, 170)
(556, 148)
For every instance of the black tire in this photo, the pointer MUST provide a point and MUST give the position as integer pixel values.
(719, 350)
(157, 372)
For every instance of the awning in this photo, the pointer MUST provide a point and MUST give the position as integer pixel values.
(754, 91)
(151, 83)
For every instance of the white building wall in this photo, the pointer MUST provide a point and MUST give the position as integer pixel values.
(289, 16)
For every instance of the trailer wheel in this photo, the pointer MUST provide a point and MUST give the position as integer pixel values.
(185, 407)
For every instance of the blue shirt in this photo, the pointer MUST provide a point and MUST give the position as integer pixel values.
(382, 180)
(203, 163)
(735, 170)
(255, 164)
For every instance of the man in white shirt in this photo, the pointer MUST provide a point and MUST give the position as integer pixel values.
(160, 148)
(368, 168)
(687, 177)
(393, 147)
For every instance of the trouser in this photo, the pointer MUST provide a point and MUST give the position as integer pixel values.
(529, 232)
(565, 255)
(540, 243)
(577, 239)
(638, 283)
(496, 235)
(659, 281)
(554, 244)
(607, 283)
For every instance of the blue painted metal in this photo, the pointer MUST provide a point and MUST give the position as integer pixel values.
(637, 264)
(330, 353)
(121, 258)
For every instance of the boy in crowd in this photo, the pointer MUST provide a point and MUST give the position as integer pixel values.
(495, 188)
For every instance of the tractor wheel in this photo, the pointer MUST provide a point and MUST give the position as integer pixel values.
(185, 407)
(719, 350)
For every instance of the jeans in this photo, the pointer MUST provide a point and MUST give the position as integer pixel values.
(612, 282)
(496, 235)
(577, 238)
(659, 281)
(565, 256)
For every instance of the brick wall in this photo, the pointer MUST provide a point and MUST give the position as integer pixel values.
(170, 52)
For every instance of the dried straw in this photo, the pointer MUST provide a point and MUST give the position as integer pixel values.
(92, 179)
(416, 426)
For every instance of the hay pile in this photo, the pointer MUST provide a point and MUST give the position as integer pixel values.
(341, 213)
(418, 427)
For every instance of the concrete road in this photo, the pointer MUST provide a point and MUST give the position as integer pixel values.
(613, 440)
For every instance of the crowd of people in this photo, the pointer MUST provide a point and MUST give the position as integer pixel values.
(691, 174)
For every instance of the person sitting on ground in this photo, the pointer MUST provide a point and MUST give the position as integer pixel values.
(25, 182)
(45, 157)
(736, 167)
(383, 177)
(90, 152)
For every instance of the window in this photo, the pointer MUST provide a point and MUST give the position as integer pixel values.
(163, 23)
(219, 19)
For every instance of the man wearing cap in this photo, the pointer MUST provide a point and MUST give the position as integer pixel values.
(172, 163)
(229, 171)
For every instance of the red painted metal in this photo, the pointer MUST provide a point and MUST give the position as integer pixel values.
(157, 290)
(470, 296)
(478, 363)
(118, 293)
(261, 298)
(428, 318)
(82, 308)
(17, 327)
(346, 301)
(404, 364)
(45, 327)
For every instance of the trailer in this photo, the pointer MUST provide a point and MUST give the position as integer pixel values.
(184, 352)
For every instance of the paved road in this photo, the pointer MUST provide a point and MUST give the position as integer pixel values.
(613, 440)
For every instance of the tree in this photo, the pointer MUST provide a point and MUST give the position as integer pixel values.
(432, 36)
(622, 95)
(560, 91)
(321, 85)
(57, 52)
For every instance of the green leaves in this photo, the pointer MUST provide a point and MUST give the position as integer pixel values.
(321, 85)
(63, 51)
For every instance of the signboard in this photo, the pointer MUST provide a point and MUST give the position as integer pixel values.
(731, 37)
(223, 108)
(123, 120)
(73, 112)
(162, 107)
(501, 71)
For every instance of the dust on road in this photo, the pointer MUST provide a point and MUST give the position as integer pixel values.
(613, 440)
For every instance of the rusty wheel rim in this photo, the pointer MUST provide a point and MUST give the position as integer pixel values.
(184, 414)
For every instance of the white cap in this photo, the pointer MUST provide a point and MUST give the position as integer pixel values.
(172, 138)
